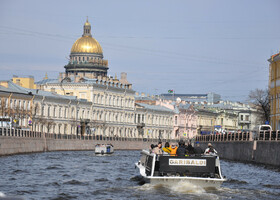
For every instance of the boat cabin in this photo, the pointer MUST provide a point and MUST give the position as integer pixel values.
(193, 165)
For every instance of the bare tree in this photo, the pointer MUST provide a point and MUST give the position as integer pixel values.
(260, 98)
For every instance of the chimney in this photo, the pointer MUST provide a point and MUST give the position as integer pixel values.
(123, 79)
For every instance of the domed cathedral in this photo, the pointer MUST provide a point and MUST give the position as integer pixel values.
(86, 57)
(86, 68)
(95, 103)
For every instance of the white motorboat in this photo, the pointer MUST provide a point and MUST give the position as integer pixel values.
(104, 149)
(200, 170)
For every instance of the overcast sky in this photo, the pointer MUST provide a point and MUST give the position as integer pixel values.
(188, 46)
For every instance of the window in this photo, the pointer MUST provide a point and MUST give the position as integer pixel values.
(241, 117)
(65, 113)
(139, 116)
(176, 120)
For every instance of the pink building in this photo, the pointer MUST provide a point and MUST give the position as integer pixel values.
(185, 119)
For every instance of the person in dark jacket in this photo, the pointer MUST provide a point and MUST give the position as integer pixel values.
(181, 151)
(190, 148)
(198, 149)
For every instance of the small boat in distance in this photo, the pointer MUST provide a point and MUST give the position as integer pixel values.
(104, 149)
(200, 170)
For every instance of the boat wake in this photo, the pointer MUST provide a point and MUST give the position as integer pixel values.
(178, 190)
(187, 188)
(2, 194)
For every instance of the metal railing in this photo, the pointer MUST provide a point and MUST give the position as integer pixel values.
(33, 134)
(268, 135)
(240, 136)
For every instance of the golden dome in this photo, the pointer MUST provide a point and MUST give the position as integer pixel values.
(87, 23)
(86, 44)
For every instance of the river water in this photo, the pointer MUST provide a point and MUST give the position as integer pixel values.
(82, 175)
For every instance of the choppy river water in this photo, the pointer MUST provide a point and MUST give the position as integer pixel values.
(82, 175)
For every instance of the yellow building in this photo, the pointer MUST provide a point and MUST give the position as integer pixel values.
(26, 82)
(274, 89)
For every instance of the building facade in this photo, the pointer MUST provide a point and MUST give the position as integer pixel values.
(15, 109)
(84, 100)
(154, 121)
(274, 91)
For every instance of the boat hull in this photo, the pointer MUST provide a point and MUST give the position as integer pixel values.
(108, 149)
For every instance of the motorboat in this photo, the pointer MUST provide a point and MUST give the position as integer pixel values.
(104, 149)
(200, 170)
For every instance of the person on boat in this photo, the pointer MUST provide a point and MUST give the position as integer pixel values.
(210, 150)
(173, 150)
(181, 151)
(152, 148)
(166, 149)
(190, 148)
(157, 149)
(198, 149)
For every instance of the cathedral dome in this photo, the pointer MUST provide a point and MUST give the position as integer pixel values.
(86, 43)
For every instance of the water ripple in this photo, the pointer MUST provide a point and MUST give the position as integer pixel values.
(82, 175)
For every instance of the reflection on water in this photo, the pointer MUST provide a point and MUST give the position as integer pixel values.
(82, 175)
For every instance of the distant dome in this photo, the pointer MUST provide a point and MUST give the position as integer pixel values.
(86, 44)
(86, 57)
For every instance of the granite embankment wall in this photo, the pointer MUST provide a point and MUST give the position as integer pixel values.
(267, 152)
(264, 149)
(17, 145)
(262, 152)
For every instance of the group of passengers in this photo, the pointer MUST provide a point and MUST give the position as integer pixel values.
(182, 149)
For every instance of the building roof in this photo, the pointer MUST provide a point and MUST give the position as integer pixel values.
(12, 87)
(184, 106)
(154, 107)
(274, 57)
(184, 95)
(144, 98)
(44, 81)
